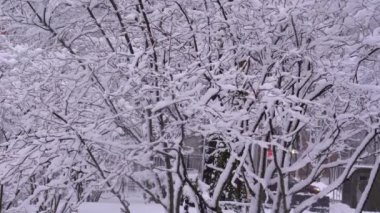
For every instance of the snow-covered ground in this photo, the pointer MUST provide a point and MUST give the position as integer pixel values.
(154, 208)
(135, 208)
(110, 205)
(115, 208)
(342, 208)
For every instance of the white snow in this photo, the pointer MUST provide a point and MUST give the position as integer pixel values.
(116, 208)
(134, 207)
(343, 208)
(155, 208)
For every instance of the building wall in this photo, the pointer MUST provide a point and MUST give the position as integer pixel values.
(355, 185)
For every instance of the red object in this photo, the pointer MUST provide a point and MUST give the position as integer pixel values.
(269, 153)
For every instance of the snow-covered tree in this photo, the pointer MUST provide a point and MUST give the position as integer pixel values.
(97, 93)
